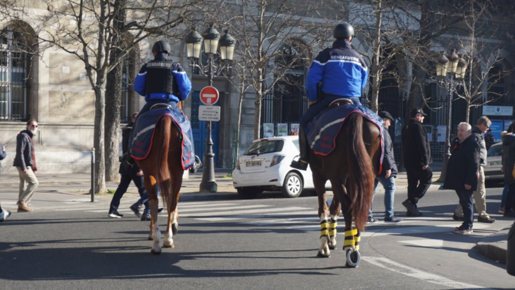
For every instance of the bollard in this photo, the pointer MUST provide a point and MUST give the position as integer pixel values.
(92, 174)
(510, 254)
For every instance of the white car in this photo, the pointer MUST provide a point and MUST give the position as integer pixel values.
(266, 166)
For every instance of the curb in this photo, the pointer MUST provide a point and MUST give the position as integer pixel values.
(495, 246)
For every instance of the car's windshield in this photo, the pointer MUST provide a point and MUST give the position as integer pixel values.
(495, 150)
(262, 147)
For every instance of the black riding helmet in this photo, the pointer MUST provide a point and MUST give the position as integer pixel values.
(343, 31)
(161, 46)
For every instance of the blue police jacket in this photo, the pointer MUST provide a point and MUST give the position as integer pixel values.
(181, 83)
(341, 70)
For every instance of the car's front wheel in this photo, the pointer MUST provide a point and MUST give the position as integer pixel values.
(248, 192)
(292, 186)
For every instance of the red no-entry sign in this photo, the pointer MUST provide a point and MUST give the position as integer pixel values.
(209, 95)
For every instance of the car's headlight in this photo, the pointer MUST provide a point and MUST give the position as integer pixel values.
(276, 159)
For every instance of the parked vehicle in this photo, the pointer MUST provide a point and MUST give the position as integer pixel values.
(266, 166)
(493, 166)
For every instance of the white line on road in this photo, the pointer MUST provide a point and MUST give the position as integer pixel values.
(417, 274)
(239, 212)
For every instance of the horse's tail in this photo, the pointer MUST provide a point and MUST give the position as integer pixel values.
(361, 175)
(163, 172)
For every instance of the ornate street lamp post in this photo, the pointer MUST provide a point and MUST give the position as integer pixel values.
(212, 42)
(450, 71)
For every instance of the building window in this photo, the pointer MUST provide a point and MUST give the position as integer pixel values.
(14, 76)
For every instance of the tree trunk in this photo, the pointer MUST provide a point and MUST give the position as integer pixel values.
(375, 69)
(112, 120)
(114, 96)
(238, 123)
(100, 185)
(467, 112)
(257, 106)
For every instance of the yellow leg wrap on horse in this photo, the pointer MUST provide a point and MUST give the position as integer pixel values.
(349, 238)
(324, 228)
(357, 239)
(332, 228)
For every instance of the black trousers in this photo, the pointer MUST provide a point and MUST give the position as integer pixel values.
(418, 183)
(467, 203)
(122, 188)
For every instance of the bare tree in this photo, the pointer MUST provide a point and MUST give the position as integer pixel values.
(482, 57)
(89, 29)
(264, 30)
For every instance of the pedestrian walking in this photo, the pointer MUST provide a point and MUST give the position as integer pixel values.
(482, 125)
(342, 73)
(25, 163)
(416, 154)
(387, 175)
(4, 214)
(463, 173)
(129, 173)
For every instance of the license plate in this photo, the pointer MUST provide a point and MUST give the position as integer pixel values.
(253, 163)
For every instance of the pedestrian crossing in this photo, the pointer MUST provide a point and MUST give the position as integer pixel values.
(265, 214)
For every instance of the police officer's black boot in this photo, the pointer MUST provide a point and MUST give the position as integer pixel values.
(302, 164)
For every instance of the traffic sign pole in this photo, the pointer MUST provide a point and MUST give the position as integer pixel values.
(209, 96)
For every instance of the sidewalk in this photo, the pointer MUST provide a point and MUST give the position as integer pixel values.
(494, 246)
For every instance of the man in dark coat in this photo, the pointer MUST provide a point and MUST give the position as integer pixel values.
(463, 173)
(482, 124)
(25, 163)
(129, 173)
(387, 175)
(508, 161)
(416, 154)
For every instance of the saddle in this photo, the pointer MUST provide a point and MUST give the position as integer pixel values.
(341, 102)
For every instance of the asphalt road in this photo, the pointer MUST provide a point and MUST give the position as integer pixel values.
(228, 243)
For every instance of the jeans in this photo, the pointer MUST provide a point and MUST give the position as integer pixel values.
(510, 198)
(122, 188)
(467, 204)
(389, 195)
(418, 183)
(504, 195)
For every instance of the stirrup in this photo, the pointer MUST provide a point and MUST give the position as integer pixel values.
(301, 164)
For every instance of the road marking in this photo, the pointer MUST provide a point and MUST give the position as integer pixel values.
(417, 274)
(227, 209)
(239, 212)
(430, 243)
(193, 205)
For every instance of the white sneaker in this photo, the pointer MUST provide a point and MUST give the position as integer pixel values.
(4, 215)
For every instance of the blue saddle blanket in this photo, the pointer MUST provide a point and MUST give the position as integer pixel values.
(140, 141)
(321, 132)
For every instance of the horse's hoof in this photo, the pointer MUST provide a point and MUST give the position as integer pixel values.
(150, 238)
(321, 255)
(332, 247)
(155, 252)
(168, 246)
(353, 258)
(175, 229)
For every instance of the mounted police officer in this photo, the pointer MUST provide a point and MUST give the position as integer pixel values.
(342, 74)
(161, 80)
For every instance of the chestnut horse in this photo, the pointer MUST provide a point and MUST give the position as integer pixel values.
(163, 168)
(352, 169)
